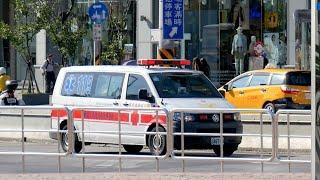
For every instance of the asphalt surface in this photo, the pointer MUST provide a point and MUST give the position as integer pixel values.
(46, 164)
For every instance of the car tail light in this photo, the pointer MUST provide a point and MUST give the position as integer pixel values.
(289, 90)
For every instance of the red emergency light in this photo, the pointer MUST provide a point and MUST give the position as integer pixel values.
(161, 62)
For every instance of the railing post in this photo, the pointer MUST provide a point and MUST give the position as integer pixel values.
(70, 135)
(169, 122)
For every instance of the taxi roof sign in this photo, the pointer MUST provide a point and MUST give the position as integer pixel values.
(170, 62)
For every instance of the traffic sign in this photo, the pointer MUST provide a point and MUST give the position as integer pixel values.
(98, 12)
(97, 32)
(173, 23)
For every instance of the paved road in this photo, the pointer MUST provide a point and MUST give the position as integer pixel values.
(37, 164)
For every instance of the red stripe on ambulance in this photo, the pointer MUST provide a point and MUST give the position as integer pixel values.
(107, 116)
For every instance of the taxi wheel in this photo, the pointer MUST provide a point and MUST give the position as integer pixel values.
(64, 141)
(270, 106)
(227, 150)
(157, 143)
(132, 148)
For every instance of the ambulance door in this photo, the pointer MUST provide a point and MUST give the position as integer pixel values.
(107, 93)
(138, 120)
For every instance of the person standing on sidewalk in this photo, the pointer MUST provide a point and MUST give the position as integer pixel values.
(48, 71)
(3, 78)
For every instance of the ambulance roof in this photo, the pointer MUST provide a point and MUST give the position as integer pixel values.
(124, 69)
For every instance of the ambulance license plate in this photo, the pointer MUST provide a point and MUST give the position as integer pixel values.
(215, 141)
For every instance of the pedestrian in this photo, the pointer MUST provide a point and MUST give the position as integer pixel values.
(204, 67)
(196, 63)
(3, 78)
(48, 71)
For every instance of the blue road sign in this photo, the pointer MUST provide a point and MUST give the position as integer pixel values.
(98, 12)
(318, 6)
(173, 25)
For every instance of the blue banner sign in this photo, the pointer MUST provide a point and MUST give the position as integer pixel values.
(98, 12)
(173, 22)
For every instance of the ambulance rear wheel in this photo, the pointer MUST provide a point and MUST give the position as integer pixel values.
(132, 148)
(157, 143)
(64, 141)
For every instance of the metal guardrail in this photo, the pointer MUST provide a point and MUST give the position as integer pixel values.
(23, 130)
(119, 132)
(288, 113)
(223, 159)
(171, 152)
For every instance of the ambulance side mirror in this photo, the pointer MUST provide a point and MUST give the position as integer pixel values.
(143, 95)
(226, 87)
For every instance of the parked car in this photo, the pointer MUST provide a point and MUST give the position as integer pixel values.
(272, 89)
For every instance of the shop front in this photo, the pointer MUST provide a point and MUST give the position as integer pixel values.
(235, 36)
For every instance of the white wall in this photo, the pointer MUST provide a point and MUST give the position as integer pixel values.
(292, 6)
(144, 46)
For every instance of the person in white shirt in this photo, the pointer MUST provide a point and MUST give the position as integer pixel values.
(48, 71)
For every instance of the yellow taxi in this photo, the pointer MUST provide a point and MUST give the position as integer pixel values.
(270, 88)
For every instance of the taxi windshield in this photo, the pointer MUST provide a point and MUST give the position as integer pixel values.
(183, 85)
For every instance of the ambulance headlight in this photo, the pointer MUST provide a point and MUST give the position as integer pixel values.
(177, 116)
(186, 116)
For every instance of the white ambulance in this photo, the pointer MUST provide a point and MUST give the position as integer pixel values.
(147, 85)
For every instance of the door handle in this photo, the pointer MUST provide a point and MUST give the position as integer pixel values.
(116, 103)
(241, 92)
(264, 90)
(126, 104)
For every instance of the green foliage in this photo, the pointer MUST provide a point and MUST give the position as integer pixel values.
(65, 27)
(26, 25)
(113, 47)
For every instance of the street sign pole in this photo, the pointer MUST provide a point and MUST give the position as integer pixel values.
(98, 13)
(161, 23)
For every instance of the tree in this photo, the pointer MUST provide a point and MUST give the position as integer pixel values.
(113, 48)
(65, 26)
(22, 32)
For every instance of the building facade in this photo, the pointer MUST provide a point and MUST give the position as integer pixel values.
(210, 27)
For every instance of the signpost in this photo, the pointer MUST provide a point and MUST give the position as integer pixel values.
(98, 13)
(173, 23)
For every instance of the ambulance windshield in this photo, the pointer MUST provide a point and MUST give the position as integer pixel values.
(183, 85)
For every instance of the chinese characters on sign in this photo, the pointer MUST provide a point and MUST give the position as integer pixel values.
(173, 13)
(97, 32)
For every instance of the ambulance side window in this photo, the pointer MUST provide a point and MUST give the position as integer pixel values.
(135, 83)
(102, 86)
(115, 86)
(108, 85)
(78, 84)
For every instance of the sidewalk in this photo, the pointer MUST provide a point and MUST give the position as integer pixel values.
(158, 176)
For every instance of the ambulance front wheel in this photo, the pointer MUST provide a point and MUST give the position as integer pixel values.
(64, 141)
(157, 142)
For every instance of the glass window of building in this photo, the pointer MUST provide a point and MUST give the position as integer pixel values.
(123, 11)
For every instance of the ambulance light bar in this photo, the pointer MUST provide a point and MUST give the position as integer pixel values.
(170, 62)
